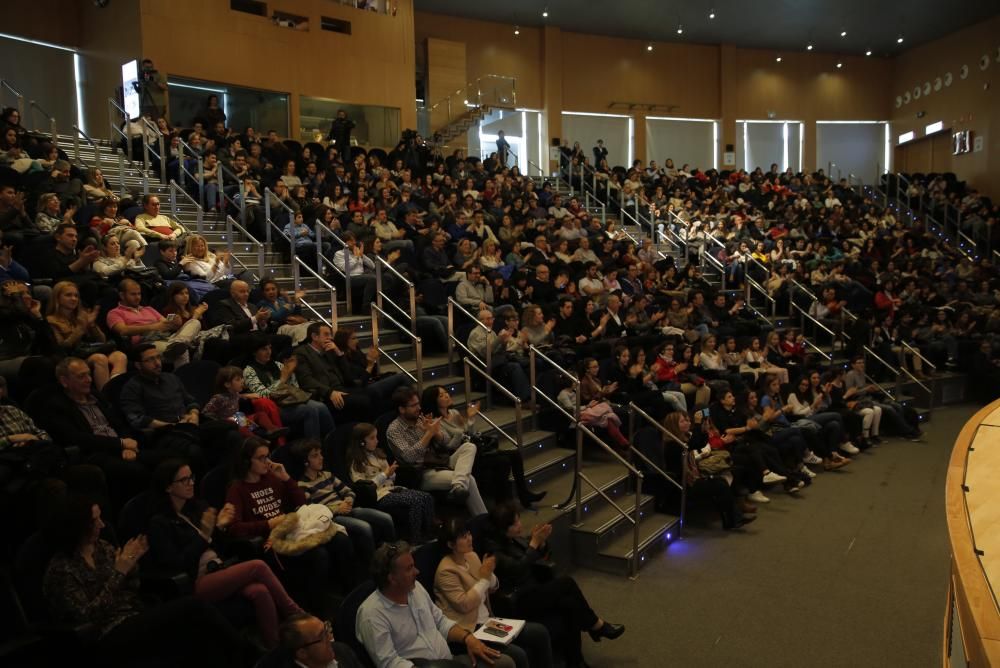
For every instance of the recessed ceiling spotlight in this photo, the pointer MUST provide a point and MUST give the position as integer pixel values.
(778, 59)
(899, 40)
(840, 65)
(868, 52)
(545, 13)
(711, 13)
(517, 31)
(843, 33)
(649, 47)
(809, 47)
(680, 28)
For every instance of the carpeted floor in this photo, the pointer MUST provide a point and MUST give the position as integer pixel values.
(853, 573)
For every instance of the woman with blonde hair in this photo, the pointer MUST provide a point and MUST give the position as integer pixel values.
(199, 262)
(75, 331)
(95, 188)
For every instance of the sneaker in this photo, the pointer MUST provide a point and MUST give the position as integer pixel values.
(811, 458)
(807, 471)
(794, 487)
(758, 497)
(773, 477)
(834, 464)
(849, 448)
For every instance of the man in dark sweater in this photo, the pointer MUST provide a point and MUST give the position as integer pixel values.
(319, 374)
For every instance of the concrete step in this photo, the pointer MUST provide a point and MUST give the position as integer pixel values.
(655, 533)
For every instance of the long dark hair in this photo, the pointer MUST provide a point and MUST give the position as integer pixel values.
(163, 476)
(240, 466)
(429, 400)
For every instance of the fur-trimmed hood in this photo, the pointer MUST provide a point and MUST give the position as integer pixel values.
(310, 526)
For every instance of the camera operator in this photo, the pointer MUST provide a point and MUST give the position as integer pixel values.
(152, 93)
(340, 134)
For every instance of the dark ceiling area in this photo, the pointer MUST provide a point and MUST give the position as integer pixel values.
(784, 25)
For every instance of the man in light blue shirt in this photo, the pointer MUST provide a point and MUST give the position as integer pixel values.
(401, 627)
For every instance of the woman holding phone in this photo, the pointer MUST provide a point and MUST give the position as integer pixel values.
(459, 427)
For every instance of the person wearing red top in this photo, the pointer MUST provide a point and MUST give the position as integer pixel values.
(260, 495)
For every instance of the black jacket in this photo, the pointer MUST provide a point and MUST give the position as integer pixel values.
(228, 312)
(67, 425)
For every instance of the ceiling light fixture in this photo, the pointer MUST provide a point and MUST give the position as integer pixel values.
(899, 40)
(840, 65)
(649, 47)
(809, 47)
(517, 31)
(778, 59)
(868, 52)
(545, 13)
(711, 13)
(680, 28)
(843, 33)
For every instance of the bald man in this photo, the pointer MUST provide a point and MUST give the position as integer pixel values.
(243, 318)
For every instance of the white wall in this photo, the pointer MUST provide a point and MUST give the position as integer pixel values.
(855, 148)
(614, 130)
(761, 143)
(684, 141)
(521, 130)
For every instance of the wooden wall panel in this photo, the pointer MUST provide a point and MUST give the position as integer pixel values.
(969, 104)
(205, 39)
(446, 76)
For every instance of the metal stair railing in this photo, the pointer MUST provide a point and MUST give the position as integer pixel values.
(455, 110)
(232, 225)
(418, 376)
(33, 106)
(117, 115)
(5, 87)
(804, 316)
(518, 439)
(635, 412)
(176, 190)
(453, 341)
(892, 370)
(332, 322)
(269, 224)
(926, 363)
(579, 476)
(323, 261)
(381, 297)
(78, 159)
(707, 259)
(198, 177)
(225, 199)
(161, 155)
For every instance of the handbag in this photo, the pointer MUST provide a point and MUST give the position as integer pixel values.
(289, 395)
(485, 443)
(719, 461)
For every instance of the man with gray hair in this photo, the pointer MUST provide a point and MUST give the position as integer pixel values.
(400, 626)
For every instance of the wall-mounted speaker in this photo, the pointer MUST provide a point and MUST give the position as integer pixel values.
(730, 148)
(556, 141)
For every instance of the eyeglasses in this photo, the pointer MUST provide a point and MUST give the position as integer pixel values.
(186, 480)
(327, 633)
(261, 458)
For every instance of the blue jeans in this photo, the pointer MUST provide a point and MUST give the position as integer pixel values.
(313, 416)
(376, 524)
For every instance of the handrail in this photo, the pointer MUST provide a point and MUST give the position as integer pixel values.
(5, 85)
(221, 172)
(161, 155)
(519, 427)
(815, 321)
(453, 340)
(916, 352)
(77, 133)
(333, 296)
(174, 189)
(895, 372)
(804, 289)
(32, 106)
(466, 87)
(637, 475)
(269, 223)
(417, 379)
(230, 224)
(411, 289)
(126, 130)
(322, 260)
(182, 170)
(635, 411)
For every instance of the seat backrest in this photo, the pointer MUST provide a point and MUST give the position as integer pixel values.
(198, 378)
(343, 625)
(426, 558)
(135, 515)
(336, 449)
(213, 486)
(382, 424)
(30, 563)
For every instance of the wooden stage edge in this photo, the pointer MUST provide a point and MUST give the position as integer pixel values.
(969, 590)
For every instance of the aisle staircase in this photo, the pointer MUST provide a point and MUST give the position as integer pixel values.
(594, 528)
